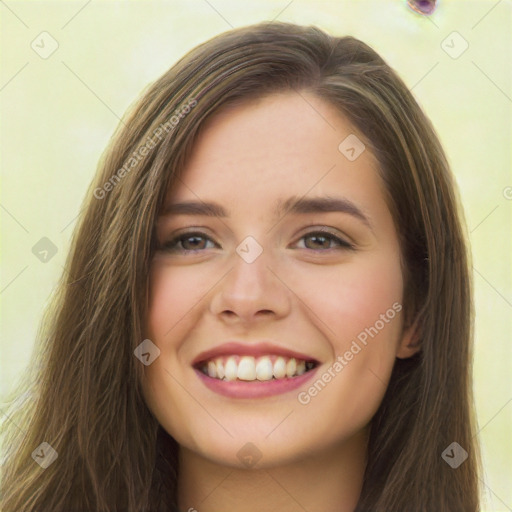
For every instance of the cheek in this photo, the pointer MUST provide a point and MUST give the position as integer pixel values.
(369, 292)
(360, 308)
(175, 292)
(174, 305)
(351, 297)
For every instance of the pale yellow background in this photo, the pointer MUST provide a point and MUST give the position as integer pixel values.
(58, 114)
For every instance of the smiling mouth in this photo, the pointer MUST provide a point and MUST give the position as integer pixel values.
(249, 368)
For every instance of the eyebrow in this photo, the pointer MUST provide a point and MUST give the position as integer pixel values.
(294, 205)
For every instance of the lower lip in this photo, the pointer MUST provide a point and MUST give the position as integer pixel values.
(256, 388)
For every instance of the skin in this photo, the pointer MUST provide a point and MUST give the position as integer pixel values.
(303, 292)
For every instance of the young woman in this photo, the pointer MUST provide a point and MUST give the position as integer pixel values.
(267, 302)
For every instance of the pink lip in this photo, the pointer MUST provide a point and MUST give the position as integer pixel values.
(255, 389)
(246, 349)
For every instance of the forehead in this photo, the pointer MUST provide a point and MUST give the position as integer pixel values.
(259, 153)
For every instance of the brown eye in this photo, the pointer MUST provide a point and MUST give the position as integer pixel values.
(321, 240)
(192, 242)
(188, 242)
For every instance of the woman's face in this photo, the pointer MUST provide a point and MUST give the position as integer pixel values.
(282, 257)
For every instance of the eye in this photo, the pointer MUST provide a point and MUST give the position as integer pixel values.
(197, 241)
(321, 240)
(187, 242)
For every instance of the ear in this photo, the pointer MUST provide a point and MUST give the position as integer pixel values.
(410, 342)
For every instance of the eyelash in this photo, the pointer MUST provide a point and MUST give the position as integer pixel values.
(169, 246)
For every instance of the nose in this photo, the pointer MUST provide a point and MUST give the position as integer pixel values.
(251, 292)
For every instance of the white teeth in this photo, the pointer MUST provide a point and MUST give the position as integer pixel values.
(280, 368)
(264, 369)
(220, 369)
(291, 367)
(248, 368)
(212, 370)
(231, 369)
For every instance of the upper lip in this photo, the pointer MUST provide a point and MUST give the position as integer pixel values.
(249, 349)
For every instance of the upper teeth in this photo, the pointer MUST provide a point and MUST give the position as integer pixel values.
(251, 368)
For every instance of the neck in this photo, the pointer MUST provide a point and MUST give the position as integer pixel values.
(330, 481)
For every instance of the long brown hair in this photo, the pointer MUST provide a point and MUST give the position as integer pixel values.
(87, 400)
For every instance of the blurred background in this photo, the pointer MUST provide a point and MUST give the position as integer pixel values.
(69, 70)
